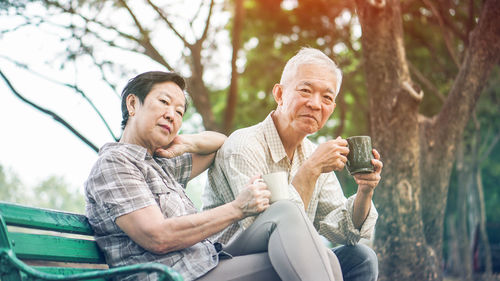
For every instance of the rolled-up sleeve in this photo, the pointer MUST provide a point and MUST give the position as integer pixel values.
(334, 215)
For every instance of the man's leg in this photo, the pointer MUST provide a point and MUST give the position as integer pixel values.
(243, 268)
(294, 246)
(358, 262)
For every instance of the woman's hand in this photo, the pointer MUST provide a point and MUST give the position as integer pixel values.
(254, 198)
(179, 145)
(203, 143)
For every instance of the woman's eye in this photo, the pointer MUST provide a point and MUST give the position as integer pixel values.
(164, 101)
(180, 113)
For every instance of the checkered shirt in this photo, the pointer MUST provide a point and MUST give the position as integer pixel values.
(258, 150)
(125, 179)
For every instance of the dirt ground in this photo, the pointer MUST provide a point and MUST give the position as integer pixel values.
(495, 277)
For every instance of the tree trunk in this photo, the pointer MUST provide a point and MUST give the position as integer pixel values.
(464, 182)
(232, 95)
(399, 242)
(482, 225)
(198, 90)
(418, 153)
(441, 135)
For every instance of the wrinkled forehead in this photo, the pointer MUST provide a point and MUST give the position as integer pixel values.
(312, 75)
(308, 70)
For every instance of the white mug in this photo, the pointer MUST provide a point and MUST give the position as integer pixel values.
(277, 183)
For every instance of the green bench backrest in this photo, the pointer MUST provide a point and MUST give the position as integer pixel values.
(46, 246)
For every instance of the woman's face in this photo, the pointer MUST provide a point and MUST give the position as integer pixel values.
(157, 121)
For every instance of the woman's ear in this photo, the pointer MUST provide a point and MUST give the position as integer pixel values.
(278, 94)
(132, 102)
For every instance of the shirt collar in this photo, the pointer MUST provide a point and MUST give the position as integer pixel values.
(273, 140)
(136, 151)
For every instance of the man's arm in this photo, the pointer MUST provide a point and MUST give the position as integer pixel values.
(366, 186)
(202, 146)
(327, 157)
(344, 220)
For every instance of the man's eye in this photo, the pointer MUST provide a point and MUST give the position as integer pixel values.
(180, 113)
(304, 90)
(164, 101)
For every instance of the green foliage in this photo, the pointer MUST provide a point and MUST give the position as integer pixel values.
(11, 188)
(275, 34)
(488, 114)
(52, 193)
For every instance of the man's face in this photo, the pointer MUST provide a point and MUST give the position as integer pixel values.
(308, 98)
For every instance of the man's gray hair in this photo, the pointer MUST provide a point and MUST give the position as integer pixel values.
(310, 56)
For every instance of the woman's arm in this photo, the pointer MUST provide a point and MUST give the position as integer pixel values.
(202, 146)
(148, 228)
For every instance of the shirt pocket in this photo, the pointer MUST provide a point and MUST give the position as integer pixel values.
(168, 200)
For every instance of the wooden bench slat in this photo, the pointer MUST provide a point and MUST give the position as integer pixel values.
(66, 271)
(55, 248)
(46, 219)
(46, 251)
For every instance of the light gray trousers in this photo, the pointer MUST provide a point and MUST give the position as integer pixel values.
(281, 244)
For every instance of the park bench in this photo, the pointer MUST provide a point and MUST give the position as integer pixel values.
(42, 244)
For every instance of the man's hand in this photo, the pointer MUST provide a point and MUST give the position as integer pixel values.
(254, 198)
(368, 182)
(331, 155)
(179, 145)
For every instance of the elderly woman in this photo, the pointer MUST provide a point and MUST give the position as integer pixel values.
(139, 210)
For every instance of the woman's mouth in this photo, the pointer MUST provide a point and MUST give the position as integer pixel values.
(166, 127)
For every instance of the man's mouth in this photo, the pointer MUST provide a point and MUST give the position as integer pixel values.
(309, 116)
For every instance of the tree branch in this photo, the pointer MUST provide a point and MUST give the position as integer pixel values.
(488, 150)
(426, 82)
(74, 87)
(162, 15)
(479, 60)
(207, 24)
(446, 38)
(232, 95)
(56, 117)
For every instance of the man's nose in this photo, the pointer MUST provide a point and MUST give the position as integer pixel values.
(314, 101)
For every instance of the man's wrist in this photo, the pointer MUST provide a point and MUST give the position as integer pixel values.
(312, 169)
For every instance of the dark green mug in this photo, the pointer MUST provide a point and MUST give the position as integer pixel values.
(359, 159)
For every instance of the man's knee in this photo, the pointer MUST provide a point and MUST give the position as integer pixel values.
(285, 207)
(369, 255)
(357, 260)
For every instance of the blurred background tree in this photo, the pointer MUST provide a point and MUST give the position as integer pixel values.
(53, 193)
(390, 52)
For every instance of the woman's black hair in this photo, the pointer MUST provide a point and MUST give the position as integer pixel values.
(142, 84)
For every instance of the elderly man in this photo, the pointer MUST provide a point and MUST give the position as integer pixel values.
(305, 96)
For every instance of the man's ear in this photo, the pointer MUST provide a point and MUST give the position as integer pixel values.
(278, 94)
(132, 102)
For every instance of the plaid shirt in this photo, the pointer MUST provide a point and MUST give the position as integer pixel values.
(258, 150)
(125, 179)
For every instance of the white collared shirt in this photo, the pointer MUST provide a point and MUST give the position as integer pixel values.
(258, 150)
